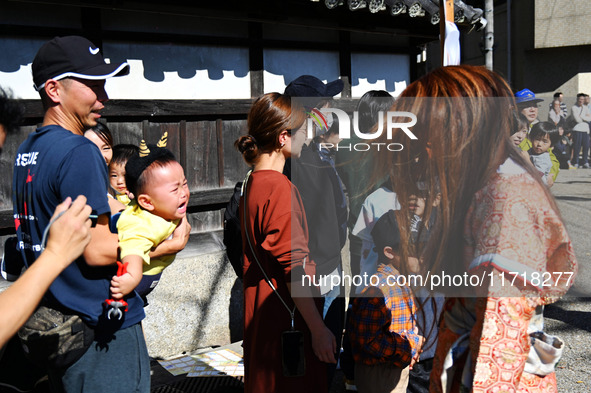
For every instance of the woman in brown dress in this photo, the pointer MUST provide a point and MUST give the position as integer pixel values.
(275, 239)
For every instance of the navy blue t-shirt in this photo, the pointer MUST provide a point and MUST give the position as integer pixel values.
(52, 164)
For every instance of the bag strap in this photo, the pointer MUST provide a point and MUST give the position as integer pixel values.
(252, 250)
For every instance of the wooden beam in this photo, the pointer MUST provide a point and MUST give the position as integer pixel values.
(198, 200)
(150, 109)
(219, 130)
(256, 59)
(345, 62)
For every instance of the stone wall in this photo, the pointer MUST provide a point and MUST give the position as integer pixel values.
(561, 23)
(197, 304)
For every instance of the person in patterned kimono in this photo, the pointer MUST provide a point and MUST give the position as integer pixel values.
(498, 237)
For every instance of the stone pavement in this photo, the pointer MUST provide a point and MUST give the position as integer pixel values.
(570, 318)
(573, 195)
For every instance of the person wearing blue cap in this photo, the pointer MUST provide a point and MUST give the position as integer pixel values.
(527, 104)
(580, 112)
(52, 164)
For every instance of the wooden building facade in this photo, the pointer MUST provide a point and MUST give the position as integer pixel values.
(251, 39)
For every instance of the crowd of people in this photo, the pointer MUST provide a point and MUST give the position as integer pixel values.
(468, 195)
(573, 149)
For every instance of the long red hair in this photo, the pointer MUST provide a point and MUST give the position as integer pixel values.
(463, 128)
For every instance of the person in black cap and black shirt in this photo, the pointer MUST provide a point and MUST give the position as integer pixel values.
(57, 162)
(324, 201)
(67, 239)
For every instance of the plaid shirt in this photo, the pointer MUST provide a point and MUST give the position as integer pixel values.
(382, 326)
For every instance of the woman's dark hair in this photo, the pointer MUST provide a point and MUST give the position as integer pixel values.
(519, 122)
(123, 152)
(11, 112)
(368, 107)
(103, 132)
(270, 115)
(543, 128)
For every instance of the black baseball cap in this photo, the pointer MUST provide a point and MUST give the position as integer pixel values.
(72, 56)
(310, 86)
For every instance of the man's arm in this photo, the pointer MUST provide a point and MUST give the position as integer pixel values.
(103, 248)
(577, 112)
(90, 180)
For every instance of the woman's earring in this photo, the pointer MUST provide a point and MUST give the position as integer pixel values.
(282, 144)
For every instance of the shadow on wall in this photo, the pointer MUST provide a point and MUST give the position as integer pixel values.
(366, 68)
(157, 59)
(283, 66)
(21, 52)
(183, 59)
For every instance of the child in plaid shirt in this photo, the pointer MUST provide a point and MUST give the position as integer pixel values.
(384, 336)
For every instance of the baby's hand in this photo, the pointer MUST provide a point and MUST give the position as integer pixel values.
(122, 285)
(550, 180)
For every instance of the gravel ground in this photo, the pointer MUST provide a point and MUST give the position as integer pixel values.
(570, 318)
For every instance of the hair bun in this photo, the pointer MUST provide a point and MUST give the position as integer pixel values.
(246, 143)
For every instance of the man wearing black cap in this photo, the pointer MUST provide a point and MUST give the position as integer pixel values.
(312, 87)
(53, 163)
(315, 176)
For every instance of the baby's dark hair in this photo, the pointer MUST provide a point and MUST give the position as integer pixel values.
(518, 122)
(543, 128)
(140, 184)
(123, 152)
(139, 167)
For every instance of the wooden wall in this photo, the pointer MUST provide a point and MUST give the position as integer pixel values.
(201, 134)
